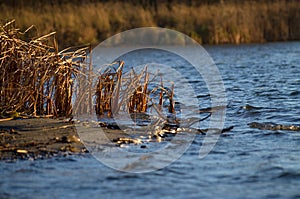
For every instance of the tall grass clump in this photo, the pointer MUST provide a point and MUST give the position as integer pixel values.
(129, 92)
(35, 77)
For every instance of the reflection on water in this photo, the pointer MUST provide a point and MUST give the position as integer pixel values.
(262, 85)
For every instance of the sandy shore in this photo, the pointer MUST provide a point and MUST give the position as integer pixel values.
(40, 138)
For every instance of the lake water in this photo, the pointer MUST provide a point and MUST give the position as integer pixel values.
(262, 83)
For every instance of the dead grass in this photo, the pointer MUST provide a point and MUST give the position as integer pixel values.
(117, 91)
(94, 21)
(35, 78)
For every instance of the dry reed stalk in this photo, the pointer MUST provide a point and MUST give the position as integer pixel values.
(90, 81)
(104, 91)
(115, 104)
(145, 92)
(161, 94)
(171, 99)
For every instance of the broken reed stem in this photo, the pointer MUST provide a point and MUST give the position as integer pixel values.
(171, 99)
(161, 94)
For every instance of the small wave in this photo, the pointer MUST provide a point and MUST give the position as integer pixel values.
(293, 93)
(276, 133)
(176, 171)
(203, 96)
(252, 179)
(218, 152)
(289, 175)
(121, 177)
(243, 153)
(5, 195)
(23, 171)
(194, 81)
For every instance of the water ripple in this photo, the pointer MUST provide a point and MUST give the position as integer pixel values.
(262, 85)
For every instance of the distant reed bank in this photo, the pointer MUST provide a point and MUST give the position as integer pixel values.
(228, 21)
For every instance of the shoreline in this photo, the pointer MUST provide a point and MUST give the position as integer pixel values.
(42, 138)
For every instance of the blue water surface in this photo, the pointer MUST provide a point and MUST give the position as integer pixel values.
(262, 84)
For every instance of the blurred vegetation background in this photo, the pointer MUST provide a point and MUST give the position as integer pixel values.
(80, 22)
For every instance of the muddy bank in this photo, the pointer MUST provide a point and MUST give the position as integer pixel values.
(40, 138)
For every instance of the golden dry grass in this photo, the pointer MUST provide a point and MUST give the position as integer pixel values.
(35, 78)
(117, 91)
(94, 21)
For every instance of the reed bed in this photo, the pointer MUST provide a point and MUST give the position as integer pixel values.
(208, 22)
(129, 92)
(35, 78)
